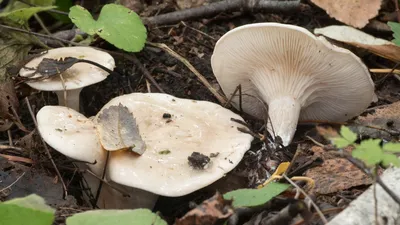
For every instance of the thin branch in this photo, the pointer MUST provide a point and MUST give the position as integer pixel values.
(13, 182)
(222, 6)
(145, 72)
(46, 148)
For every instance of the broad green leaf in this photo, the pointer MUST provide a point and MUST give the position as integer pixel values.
(348, 134)
(396, 32)
(64, 6)
(21, 16)
(255, 197)
(390, 159)
(116, 24)
(117, 217)
(30, 210)
(369, 151)
(340, 142)
(391, 147)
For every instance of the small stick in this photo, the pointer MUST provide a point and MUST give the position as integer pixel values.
(17, 159)
(102, 178)
(321, 215)
(108, 184)
(145, 72)
(46, 148)
(13, 182)
(5, 147)
(396, 3)
(203, 80)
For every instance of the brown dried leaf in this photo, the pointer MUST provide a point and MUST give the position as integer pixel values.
(359, 39)
(384, 118)
(8, 98)
(327, 132)
(211, 211)
(356, 13)
(118, 130)
(335, 175)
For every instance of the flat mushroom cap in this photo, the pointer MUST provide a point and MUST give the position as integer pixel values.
(71, 134)
(194, 126)
(270, 60)
(78, 76)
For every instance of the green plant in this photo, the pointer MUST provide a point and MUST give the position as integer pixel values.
(32, 210)
(116, 24)
(370, 151)
(396, 32)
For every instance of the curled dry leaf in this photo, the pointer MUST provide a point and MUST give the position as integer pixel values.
(336, 174)
(356, 13)
(117, 130)
(359, 39)
(211, 211)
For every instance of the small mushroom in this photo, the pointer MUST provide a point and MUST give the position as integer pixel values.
(163, 169)
(75, 78)
(298, 76)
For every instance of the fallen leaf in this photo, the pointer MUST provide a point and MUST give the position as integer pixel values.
(211, 211)
(8, 99)
(383, 119)
(335, 175)
(356, 13)
(118, 130)
(51, 67)
(359, 39)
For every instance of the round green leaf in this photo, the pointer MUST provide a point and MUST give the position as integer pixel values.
(116, 24)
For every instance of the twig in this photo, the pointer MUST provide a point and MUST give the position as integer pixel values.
(17, 158)
(43, 26)
(203, 80)
(222, 6)
(46, 148)
(108, 184)
(103, 175)
(199, 31)
(321, 215)
(13, 182)
(5, 147)
(396, 3)
(145, 72)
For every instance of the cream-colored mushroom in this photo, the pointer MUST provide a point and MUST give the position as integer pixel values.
(298, 75)
(75, 78)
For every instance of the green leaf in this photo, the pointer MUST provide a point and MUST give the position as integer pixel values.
(255, 197)
(30, 210)
(64, 6)
(369, 151)
(391, 147)
(21, 16)
(118, 217)
(340, 142)
(390, 159)
(116, 24)
(348, 134)
(396, 32)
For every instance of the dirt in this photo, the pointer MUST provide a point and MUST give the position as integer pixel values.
(175, 79)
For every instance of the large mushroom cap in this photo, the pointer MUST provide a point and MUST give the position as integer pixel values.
(72, 134)
(194, 126)
(79, 75)
(289, 68)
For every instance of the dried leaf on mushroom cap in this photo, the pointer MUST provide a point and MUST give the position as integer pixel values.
(77, 76)
(71, 134)
(191, 126)
(303, 76)
(117, 130)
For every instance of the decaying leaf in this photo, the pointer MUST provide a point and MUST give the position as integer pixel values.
(336, 174)
(50, 67)
(359, 39)
(118, 130)
(384, 119)
(356, 13)
(210, 212)
(8, 99)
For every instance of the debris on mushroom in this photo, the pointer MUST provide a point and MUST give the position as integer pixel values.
(299, 76)
(197, 126)
(73, 79)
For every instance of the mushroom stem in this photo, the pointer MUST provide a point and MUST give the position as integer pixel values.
(284, 114)
(72, 100)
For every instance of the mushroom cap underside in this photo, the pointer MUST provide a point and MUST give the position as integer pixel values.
(78, 76)
(272, 60)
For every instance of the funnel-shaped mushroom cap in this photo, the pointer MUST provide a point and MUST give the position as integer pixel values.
(298, 75)
(79, 75)
(193, 126)
(72, 134)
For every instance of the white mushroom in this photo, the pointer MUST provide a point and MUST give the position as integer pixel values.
(298, 75)
(163, 169)
(194, 126)
(76, 77)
